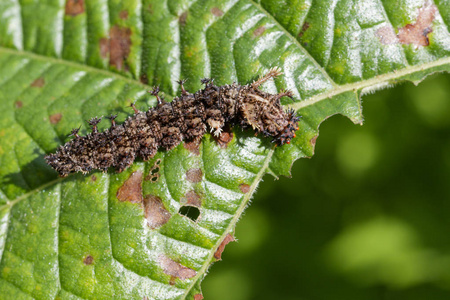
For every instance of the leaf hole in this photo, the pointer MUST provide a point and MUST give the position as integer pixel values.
(190, 211)
(154, 170)
(153, 174)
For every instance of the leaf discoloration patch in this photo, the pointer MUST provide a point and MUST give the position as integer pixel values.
(314, 140)
(259, 31)
(217, 11)
(119, 46)
(74, 7)
(194, 175)
(155, 212)
(143, 79)
(88, 260)
(193, 146)
(225, 137)
(245, 188)
(55, 118)
(417, 33)
(40, 82)
(387, 35)
(182, 18)
(193, 199)
(305, 27)
(123, 15)
(172, 268)
(131, 190)
(104, 47)
(218, 254)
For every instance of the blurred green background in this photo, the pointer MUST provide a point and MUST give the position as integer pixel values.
(368, 217)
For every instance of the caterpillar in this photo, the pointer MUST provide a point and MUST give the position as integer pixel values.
(186, 118)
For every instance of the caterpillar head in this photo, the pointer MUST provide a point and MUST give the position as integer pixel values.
(288, 132)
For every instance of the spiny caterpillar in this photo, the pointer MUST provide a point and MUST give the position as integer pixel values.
(186, 118)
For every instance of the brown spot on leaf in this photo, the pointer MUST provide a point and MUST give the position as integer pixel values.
(417, 33)
(224, 138)
(131, 190)
(245, 188)
(305, 27)
(175, 269)
(258, 31)
(172, 280)
(193, 146)
(123, 15)
(194, 175)
(74, 7)
(88, 260)
(198, 297)
(313, 141)
(40, 82)
(193, 199)
(119, 46)
(143, 79)
(104, 47)
(155, 212)
(226, 240)
(387, 35)
(55, 118)
(216, 11)
(182, 18)
(18, 104)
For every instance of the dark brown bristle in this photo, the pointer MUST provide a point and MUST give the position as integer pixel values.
(74, 132)
(155, 92)
(133, 106)
(112, 118)
(181, 82)
(94, 122)
(187, 118)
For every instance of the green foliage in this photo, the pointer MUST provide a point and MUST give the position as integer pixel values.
(74, 238)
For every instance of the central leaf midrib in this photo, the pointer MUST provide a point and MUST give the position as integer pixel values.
(380, 79)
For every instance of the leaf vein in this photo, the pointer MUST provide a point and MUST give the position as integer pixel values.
(295, 41)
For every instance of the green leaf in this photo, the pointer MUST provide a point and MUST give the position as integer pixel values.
(126, 235)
